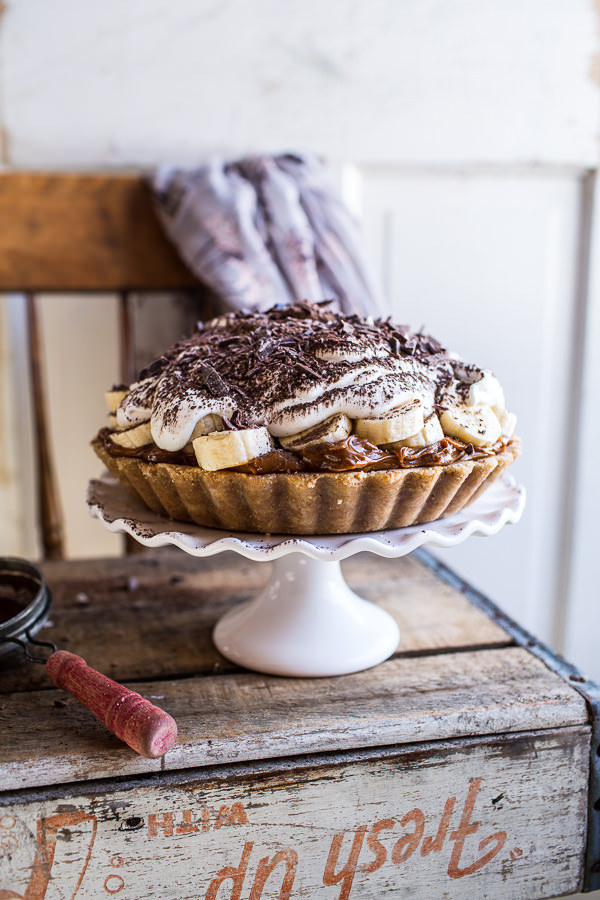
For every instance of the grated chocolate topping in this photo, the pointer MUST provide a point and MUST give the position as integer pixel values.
(289, 368)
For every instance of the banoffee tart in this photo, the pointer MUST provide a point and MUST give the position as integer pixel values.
(300, 420)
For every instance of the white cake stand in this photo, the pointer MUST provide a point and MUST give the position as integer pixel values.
(306, 621)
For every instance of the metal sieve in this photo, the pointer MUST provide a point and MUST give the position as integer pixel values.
(18, 629)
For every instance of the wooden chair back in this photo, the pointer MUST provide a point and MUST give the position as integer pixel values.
(79, 232)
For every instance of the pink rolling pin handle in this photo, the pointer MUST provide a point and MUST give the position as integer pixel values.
(148, 730)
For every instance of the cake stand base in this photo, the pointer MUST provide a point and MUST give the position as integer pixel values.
(306, 622)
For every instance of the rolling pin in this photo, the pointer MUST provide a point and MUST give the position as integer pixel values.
(148, 730)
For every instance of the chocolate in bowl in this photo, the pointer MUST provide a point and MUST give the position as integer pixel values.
(24, 601)
(16, 592)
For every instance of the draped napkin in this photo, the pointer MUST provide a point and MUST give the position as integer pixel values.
(265, 230)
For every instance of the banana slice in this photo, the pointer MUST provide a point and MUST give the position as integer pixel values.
(400, 423)
(337, 428)
(113, 424)
(223, 449)
(508, 420)
(139, 436)
(477, 425)
(429, 434)
(113, 399)
(205, 425)
(486, 392)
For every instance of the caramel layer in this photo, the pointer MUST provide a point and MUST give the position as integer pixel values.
(352, 454)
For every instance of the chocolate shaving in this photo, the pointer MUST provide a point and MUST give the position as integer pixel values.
(213, 381)
(155, 368)
(302, 367)
(244, 364)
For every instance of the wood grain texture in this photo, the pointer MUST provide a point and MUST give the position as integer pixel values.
(151, 617)
(223, 719)
(458, 768)
(471, 819)
(83, 232)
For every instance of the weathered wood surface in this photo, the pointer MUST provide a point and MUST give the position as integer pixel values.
(271, 789)
(223, 719)
(83, 232)
(150, 617)
(479, 819)
(145, 627)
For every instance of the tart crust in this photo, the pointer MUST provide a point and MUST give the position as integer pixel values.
(307, 502)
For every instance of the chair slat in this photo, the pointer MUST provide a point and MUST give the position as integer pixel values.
(87, 232)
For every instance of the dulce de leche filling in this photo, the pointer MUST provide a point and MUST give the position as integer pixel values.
(352, 454)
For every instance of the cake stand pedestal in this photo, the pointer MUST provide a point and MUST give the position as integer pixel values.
(306, 622)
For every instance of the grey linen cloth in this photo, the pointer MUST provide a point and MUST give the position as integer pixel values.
(265, 230)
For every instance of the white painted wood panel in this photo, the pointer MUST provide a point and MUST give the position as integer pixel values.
(413, 81)
(80, 339)
(18, 534)
(488, 263)
(467, 821)
(10, 525)
(583, 611)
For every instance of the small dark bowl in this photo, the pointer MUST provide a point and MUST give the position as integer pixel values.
(22, 618)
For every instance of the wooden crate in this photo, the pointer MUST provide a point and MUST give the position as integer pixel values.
(460, 768)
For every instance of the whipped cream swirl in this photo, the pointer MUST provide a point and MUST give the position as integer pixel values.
(290, 368)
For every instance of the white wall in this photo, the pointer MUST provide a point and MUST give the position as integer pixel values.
(474, 129)
(398, 81)
(488, 262)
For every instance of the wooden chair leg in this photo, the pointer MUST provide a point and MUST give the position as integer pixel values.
(128, 373)
(49, 507)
